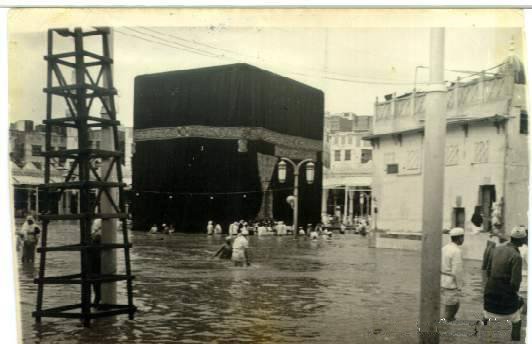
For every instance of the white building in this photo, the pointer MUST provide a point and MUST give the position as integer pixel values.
(486, 162)
(347, 173)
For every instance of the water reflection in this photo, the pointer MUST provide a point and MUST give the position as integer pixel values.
(296, 291)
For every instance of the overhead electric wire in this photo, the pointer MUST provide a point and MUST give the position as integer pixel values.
(195, 42)
(181, 46)
(250, 56)
(145, 39)
(375, 82)
(341, 77)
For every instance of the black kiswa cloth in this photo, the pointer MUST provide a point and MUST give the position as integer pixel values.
(188, 182)
(236, 95)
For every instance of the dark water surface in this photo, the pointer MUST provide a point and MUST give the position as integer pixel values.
(296, 291)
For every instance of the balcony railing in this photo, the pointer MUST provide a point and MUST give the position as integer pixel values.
(483, 96)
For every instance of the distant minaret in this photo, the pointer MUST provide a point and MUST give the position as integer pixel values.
(511, 49)
(514, 64)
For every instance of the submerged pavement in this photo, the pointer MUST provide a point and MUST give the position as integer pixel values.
(296, 291)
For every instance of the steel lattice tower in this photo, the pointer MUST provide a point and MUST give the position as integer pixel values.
(87, 90)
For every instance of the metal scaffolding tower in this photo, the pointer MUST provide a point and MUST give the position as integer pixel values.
(93, 84)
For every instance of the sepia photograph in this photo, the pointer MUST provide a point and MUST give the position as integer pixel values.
(246, 175)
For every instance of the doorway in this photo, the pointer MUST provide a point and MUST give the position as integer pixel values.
(487, 197)
(459, 217)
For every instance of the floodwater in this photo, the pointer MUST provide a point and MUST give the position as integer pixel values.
(296, 291)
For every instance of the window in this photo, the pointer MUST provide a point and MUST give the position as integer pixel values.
(335, 140)
(350, 139)
(347, 154)
(523, 122)
(36, 150)
(19, 151)
(481, 152)
(342, 140)
(451, 155)
(412, 160)
(337, 155)
(365, 156)
(392, 168)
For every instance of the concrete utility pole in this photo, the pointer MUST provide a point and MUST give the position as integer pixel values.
(109, 226)
(433, 180)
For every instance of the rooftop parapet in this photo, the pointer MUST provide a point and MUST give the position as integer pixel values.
(487, 94)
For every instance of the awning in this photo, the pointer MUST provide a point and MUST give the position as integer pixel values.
(26, 180)
(341, 182)
(33, 180)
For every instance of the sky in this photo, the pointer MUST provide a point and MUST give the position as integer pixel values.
(352, 66)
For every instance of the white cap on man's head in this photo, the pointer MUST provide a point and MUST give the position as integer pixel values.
(518, 232)
(456, 231)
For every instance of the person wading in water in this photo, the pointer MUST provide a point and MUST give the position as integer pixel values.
(30, 237)
(226, 251)
(240, 250)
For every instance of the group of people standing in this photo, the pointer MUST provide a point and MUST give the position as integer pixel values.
(504, 267)
(164, 229)
(263, 227)
(258, 227)
(268, 227)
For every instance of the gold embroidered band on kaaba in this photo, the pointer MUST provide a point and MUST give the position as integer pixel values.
(285, 145)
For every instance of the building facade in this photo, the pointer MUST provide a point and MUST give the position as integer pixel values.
(486, 157)
(27, 142)
(347, 174)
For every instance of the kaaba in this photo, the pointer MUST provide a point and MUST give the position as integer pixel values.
(207, 144)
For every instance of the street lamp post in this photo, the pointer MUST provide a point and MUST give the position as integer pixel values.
(282, 178)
